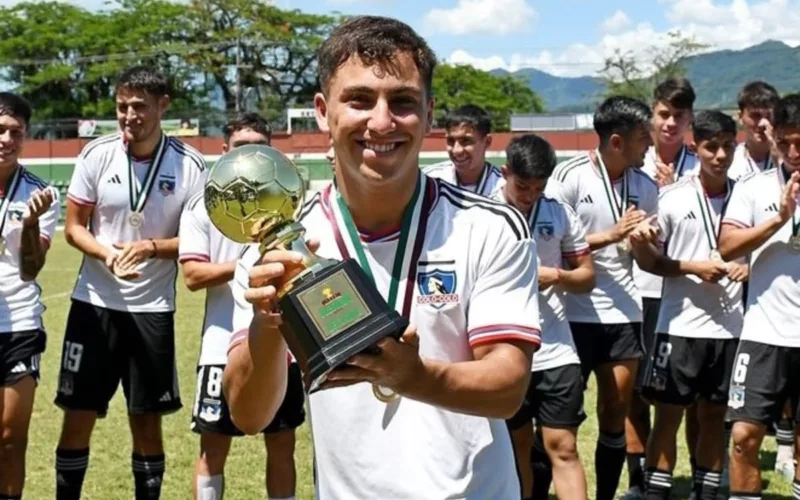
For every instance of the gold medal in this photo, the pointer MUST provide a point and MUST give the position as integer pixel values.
(135, 219)
(2, 245)
(624, 246)
(384, 394)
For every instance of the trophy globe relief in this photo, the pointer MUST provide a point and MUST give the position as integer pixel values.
(331, 309)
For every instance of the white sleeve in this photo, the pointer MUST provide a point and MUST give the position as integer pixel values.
(83, 185)
(242, 310)
(574, 242)
(504, 303)
(193, 232)
(563, 191)
(49, 220)
(740, 207)
(663, 223)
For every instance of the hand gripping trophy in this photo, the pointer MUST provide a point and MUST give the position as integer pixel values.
(331, 310)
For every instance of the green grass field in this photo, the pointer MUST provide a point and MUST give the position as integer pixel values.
(109, 475)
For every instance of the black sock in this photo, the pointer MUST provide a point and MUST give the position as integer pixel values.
(542, 469)
(11, 497)
(71, 468)
(795, 489)
(659, 484)
(784, 433)
(636, 468)
(609, 457)
(706, 484)
(693, 464)
(148, 473)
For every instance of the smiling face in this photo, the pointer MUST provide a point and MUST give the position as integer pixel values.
(12, 138)
(670, 124)
(466, 148)
(788, 142)
(376, 118)
(139, 114)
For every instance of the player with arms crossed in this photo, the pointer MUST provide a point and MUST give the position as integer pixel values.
(756, 100)
(763, 221)
(123, 209)
(28, 216)
(701, 312)
(468, 135)
(555, 394)
(456, 367)
(209, 260)
(611, 196)
(667, 161)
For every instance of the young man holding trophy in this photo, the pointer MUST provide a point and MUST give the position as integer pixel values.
(429, 255)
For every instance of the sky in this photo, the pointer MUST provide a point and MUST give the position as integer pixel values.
(567, 37)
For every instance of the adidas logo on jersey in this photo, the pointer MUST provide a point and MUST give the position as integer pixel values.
(166, 398)
(772, 208)
(690, 216)
(587, 199)
(19, 368)
(115, 179)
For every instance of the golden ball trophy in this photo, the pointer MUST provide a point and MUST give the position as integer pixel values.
(331, 310)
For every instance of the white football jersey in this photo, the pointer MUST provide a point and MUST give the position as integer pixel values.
(578, 183)
(558, 234)
(743, 164)
(201, 241)
(101, 181)
(686, 162)
(773, 297)
(468, 278)
(487, 182)
(21, 307)
(691, 307)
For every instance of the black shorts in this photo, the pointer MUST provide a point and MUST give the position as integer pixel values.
(650, 309)
(554, 399)
(103, 347)
(211, 414)
(764, 378)
(20, 353)
(682, 370)
(598, 344)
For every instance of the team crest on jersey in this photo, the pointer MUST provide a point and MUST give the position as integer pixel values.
(437, 288)
(166, 186)
(545, 230)
(736, 397)
(16, 211)
(210, 412)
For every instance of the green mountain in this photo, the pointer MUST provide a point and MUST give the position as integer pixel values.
(716, 76)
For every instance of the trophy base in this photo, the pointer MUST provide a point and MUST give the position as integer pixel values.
(333, 313)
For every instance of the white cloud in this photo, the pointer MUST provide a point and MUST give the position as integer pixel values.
(490, 17)
(720, 25)
(616, 22)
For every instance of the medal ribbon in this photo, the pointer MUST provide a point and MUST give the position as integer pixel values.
(138, 197)
(409, 238)
(712, 229)
(482, 180)
(795, 217)
(617, 207)
(534, 215)
(8, 197)
(754, 165)
(681, 162)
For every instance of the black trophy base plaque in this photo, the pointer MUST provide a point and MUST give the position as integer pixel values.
(332, 314)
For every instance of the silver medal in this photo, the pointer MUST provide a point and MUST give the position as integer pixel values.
(624, 246)
(135, 219)
(794, 242)
(715, 256)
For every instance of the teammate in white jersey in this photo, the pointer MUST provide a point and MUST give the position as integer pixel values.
(123, 209)
(700, 317)
(209, 260)
(756, 100)
(668, 160)
(465, 278)
(762, 221)
(468, 135)
(29, 212)
(611, 196)
(555, 393)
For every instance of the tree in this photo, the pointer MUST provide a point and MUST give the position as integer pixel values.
(624, 74)
(500, 95)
